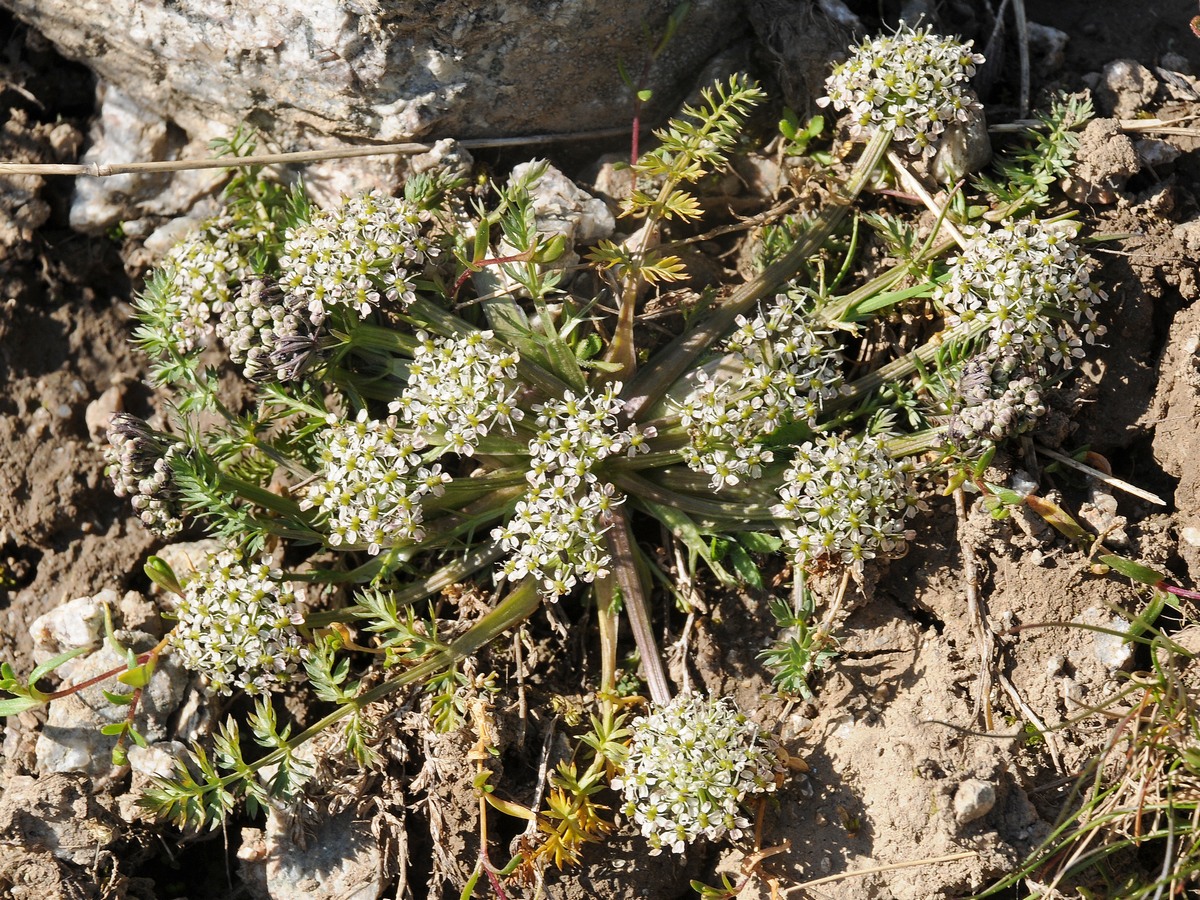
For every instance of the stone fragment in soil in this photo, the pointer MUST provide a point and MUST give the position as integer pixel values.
(964, 147)
(1047, 48)
(1125, 88)
(1111, 651)
(146, 764)
(56, 813)
(76, 623)
(125, 131)
(100, 411)
(561, 208)
(974, 798)
(184, 557)
(71, 740)
(335, 859)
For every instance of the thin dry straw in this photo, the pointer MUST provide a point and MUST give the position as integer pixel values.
(100, 170)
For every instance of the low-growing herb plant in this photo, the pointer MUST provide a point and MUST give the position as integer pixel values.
(432, 404)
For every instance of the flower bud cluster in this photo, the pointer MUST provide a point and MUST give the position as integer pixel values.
(1030, 285)
(139, 464)
(779, 369)
(844, 501)
(371, 484)
(206, 268)
(459, 389)
(556, 532)
(998, 397)
(237, 626)
(913, 82)
(691, 763)
(268, 333)
(355, 255)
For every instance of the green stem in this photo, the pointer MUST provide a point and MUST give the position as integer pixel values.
(903, 366)
(371, 337)
(735, 510)
(449, 574)
(607, 622)
(651, 384)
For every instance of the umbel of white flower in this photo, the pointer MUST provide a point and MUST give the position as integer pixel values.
(778, 369)
(555, 532)
(690, 766)
(845, 500)
(369, 490)
(237, 626)
(355, 255)
(460, 389)
(913, 82)
(206, 268)
(1030, 284)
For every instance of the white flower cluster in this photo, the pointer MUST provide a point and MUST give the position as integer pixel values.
(459, 389)
(780, 369)
(555, 532)
(139, 464)
(690, 766)
(1030, 284)
(355, 255)
(237, 626)
(370, 488)
(261, 327)
(913, 82)
(844, 500)
(206, 268)
(998, 396)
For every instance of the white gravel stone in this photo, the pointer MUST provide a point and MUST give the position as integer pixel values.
(71, 740)
(973, 800)
(76, 623)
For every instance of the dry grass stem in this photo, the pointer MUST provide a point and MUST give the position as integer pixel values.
(407, 148)
(874, 870)
(1100, 476)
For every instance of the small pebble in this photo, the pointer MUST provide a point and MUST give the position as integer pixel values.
(973, 800)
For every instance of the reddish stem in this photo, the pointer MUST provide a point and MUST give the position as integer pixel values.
(67, 691)
(472, 268)
(1178, 591)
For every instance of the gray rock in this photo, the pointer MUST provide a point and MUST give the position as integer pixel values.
(127, 131)
(146, 764)
(1153, 152)
(184, 557)
(58, 814)
(973, 800)
(76, 623)
(561, 208)
(139, 614)
(329, 72)
(1125, 88)
(338, 858)
(1111, 651)
(964, 147)
(71, 740)
(1047, 47)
